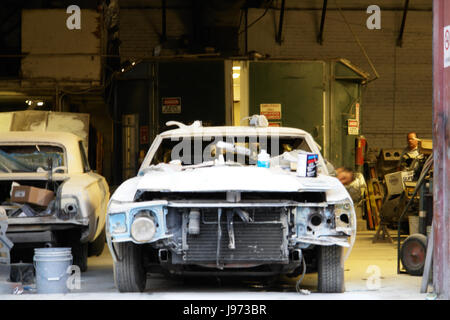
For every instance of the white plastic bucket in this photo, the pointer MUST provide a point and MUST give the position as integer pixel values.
(51, 266)
(413, 224)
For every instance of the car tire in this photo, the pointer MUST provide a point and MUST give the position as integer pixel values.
(330, 269)
(413, 253)
(96, 247)
(80, 255)
(129, 271)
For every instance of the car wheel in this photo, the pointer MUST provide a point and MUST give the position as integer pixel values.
(96, 247)
(80, 255)
(413, 253)
(330, 269)
(129, 271)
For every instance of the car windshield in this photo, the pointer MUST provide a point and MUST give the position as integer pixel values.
(238, 149)
(30, 158)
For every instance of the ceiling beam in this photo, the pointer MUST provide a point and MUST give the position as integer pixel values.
(280, 23)
(163, 21)
(322, 22)
(402, 27)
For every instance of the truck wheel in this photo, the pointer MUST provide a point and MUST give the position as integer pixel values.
(330, 269)
(80, 255)
(413, 253)
(129, 271)
(96, 247)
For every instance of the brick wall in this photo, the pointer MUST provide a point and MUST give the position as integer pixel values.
(401, 99)
(140, 30)
(398, 102)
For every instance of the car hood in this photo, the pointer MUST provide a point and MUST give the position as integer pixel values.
(227, 178)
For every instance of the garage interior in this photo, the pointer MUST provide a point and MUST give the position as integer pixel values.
(324, 66)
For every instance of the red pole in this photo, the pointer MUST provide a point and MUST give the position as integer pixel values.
(441, 147)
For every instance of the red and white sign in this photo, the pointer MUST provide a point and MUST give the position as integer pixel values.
(353, 126)
(171, 105)
(446, 46)
(272, 111)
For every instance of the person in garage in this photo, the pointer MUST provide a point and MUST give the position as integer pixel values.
(354, 182)
(410, 153)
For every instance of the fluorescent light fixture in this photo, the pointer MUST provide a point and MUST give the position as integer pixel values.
(236, 68)
(235, 75)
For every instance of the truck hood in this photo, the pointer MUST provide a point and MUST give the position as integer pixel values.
(227, 178)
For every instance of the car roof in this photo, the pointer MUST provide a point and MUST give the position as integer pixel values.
(232, 130)
(197, 130)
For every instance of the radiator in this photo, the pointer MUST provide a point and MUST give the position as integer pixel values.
(262, 241)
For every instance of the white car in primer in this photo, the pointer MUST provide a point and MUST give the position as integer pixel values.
(271, 220)
(76, 217)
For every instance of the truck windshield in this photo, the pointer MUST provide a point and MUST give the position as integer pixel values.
(240, 149)
(30, 158)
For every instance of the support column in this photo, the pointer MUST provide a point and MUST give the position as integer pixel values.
(441, 146)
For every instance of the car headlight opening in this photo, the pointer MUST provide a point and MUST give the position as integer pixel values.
(143, 228)
(343, 213)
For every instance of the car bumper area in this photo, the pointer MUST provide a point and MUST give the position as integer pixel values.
(39, 229)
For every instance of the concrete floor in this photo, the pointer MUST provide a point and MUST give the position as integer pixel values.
(98, 283)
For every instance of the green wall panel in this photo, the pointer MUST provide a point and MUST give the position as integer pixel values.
(309, 92)
(297, 86)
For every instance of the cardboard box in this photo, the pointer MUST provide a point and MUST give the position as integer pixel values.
(426, 146)
(395, 182)
(33, 195)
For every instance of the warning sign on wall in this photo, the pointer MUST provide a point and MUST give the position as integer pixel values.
(272, 111)
(171, 105)
(353, 126)
(446, 46)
